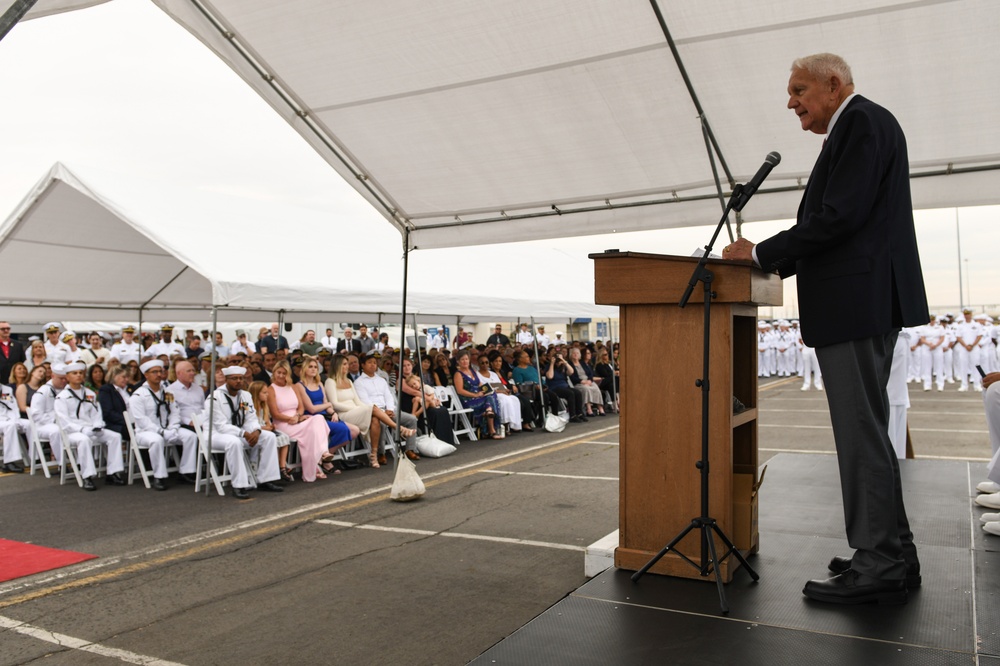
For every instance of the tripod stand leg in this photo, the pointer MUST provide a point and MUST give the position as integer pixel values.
(638, 574)
(706, 532)
(735, 551)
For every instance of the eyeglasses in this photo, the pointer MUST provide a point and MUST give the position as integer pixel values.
(4, 328)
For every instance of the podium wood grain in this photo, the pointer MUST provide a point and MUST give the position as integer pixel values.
(661, 357)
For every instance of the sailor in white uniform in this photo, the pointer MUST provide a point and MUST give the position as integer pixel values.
(987, 355)
(158, 422)
(968, 335)
(72, 353)
(434, 339)
(932, 339)
(55, 348)
(524, 336)
(543, 340)
(234, 428)
(784, 349)
(43, 409)
(128, 349)
(810, 367)
(166, 346)
(763, 346)
(10, 426)
(80, 415)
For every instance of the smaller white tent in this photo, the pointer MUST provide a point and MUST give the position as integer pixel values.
(70, 253)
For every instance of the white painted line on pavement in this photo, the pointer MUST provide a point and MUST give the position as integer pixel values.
(555, 476)
(454, 535)
(918, 456)
(62, 640)
(825, 427)
(910, 412)
(106, 562)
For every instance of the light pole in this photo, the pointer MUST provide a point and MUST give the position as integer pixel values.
(958, 238)
(968, 283)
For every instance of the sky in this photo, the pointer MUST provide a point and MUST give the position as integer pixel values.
(143, 112)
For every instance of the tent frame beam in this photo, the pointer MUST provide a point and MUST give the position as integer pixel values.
(14, 14)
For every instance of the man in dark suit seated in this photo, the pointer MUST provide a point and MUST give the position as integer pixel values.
(854, 252)
(348, 345)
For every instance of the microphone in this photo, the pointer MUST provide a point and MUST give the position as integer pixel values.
(750, 188)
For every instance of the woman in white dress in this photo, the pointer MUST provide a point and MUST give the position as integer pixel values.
(510, 406)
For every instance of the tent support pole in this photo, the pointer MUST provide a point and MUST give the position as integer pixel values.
(14, 13)
(420, 373)
(718, 184)
(538, 366)
(211, 393)
(402, 345)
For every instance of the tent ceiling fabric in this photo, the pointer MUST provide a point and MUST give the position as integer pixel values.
(468, 121)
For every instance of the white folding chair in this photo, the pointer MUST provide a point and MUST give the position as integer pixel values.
(69, 458)
(356, 448)
(459, 415)
(36, 450)
(212, 475)
(136, 464)
(294, 460)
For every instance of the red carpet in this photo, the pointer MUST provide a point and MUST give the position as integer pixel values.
(24, 559)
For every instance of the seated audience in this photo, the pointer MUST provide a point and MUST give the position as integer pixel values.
(18, 375)
(95, 377)
(316, 401)
(467, 385)
(558, 378)
(158, 422)
(496, 362)
(288, 412)
(373, 389)
(113, 398)
(608, 376)
(583, 383)
(510, 406)
(260, 392)
(427, 408)
(189, 397)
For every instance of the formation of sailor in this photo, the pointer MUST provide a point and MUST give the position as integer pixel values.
(158, 422)
(235, 429)
(80, 416)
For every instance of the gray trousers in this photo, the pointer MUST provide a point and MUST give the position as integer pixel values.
(855, 374)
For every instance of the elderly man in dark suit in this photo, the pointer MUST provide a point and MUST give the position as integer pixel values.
(11, 352)
(854, 250)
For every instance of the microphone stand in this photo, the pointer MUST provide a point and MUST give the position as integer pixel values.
(704, 523)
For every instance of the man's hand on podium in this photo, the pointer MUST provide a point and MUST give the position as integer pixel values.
(741, 250)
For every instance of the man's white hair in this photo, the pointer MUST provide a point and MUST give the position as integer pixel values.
(824, 66)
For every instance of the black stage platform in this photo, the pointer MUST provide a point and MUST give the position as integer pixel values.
(951, 619)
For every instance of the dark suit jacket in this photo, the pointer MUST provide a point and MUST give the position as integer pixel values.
(355, 345)
(112, 408)
(853, 246)
(6, 363)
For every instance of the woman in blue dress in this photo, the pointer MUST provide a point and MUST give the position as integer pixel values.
(484, 407)
(316, 402)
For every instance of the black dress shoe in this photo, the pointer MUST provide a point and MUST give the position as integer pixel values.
(88, 483)
(270, 487)
(186, 478)
(159, 484)
(839, 565)
(240, 493)
(14, 468)
(584, 419)
(115, 480)
(851, 588)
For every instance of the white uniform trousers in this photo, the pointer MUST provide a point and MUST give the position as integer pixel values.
(948, 365)
(991, 401)
(965, 365)
(810, 367)
(157, 444)
(784, 362)
(50, 433)
(763, 368)
(265, 453)
(85, 444)
(897, 429)
(11, 442)
(988, 357)
(931, 361)
(510, 410)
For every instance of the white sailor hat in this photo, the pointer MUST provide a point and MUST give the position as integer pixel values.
(234, 370)
(75, 366)
(59, 369)
(33, 338)
(149, 365)
(52, 327)
(67, 335)
(762, 324)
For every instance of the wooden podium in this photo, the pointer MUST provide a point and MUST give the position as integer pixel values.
(661, 357)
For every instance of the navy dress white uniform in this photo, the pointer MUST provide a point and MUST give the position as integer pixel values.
(968, 333)
(43, 407)
(10, 425)
(128, 349)
(55, 350)
(167, 347)
(83, 423)
(158, 423)
(233, 418)
(932, 341)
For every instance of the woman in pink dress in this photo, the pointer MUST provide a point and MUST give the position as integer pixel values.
(287, 412)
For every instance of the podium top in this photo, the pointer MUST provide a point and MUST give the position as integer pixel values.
(624, 278)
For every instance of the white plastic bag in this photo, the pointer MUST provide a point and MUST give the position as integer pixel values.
(432, 447)
(555, 423)
(407, 485)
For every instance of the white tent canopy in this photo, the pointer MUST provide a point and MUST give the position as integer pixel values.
(87, 259)
(466, 123)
